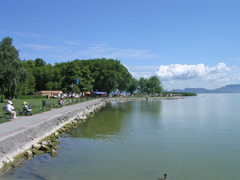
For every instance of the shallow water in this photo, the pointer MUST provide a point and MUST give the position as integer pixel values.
(192, 138)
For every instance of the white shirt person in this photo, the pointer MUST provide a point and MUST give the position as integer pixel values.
(10, 109)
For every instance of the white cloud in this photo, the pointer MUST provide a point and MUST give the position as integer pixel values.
(200, 75)
(38, 46)
(142, 71)
(186, 72)
(28, 35)
(46, 38)
(138, 75)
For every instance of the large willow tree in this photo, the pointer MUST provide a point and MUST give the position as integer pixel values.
(12, 72)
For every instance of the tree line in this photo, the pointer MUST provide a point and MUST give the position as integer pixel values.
(24, 77)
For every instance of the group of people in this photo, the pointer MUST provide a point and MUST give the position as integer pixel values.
(10, 109)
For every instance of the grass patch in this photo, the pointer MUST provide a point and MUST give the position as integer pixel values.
(36, 105)
(3, 120)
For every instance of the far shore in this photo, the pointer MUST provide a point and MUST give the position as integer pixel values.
(144, 98)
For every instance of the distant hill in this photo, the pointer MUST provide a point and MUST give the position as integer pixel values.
(232, 88)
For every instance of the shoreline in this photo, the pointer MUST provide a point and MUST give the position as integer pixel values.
(18, 136)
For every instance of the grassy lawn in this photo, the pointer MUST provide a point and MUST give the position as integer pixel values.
(36, 105)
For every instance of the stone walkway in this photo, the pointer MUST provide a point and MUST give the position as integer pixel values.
(24, 122)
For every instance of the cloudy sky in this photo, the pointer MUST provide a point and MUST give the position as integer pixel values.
(186, 43)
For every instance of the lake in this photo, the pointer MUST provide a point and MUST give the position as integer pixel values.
(191, 138)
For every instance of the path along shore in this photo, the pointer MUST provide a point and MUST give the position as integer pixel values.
(20, 134)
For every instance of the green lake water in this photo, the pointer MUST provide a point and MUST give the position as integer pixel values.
(192, 138)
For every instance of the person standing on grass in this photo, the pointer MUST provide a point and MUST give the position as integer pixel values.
(10, 109)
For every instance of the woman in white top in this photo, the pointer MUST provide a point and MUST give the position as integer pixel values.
(11, 109)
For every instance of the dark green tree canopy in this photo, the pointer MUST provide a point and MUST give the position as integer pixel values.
(134, 86)
(108, 74)
(151, 85)
(12, 71)
(154, 85)
(39, 62)
(142, 85)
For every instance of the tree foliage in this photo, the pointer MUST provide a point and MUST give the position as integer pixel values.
(95, 74)
(28, 86)
(150, 86)
(12, 71)
(154, 85)
(133, 87)
(39, 62)
(108, 74)
(142, 85)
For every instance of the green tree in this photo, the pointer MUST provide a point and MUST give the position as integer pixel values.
(12, 72)
(124, 78)
(154, 85)
(60, 75)
(28, 87)
(133, 87)
(109, 74)
(30, 64)
(105, 75)
(73, 72)
(142, 85)
(86, 79)
(77, 70)
(39, 62)
(47, 77)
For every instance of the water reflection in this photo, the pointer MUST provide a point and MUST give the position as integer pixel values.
(116, 117)
(150, 107)
(108, 122)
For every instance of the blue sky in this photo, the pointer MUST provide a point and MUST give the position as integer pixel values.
(187, 43)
